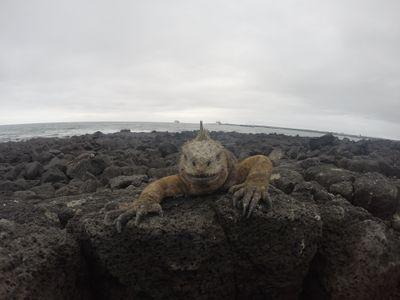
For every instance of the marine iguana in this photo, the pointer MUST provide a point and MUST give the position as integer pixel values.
(205, 167)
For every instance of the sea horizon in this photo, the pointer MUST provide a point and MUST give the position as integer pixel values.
(25, 131)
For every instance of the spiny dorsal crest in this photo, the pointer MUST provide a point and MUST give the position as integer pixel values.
(202, 146)
(203, 134)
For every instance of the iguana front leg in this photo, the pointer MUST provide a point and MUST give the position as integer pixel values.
(150, 199)
(253, 179)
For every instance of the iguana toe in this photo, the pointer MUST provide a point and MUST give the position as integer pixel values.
(124, 218)
(246, 196)
(138, 210)
(254, 202)
(237, 196)
(247, 199)
(111, 215)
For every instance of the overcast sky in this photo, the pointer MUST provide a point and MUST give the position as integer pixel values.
(327, 65)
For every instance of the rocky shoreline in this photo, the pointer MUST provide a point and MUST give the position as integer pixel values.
(333, 231)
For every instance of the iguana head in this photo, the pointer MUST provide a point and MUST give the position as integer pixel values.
(203, 161)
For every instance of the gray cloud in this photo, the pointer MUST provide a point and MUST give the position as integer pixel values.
(328, 65)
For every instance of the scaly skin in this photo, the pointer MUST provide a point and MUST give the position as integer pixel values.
(205, 167)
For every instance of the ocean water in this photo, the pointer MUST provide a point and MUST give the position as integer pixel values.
(27, 131)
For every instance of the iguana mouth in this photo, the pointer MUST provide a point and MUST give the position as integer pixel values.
(201, 177)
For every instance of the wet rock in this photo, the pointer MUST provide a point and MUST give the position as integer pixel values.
(285, 179)
(325, 140)
(54, 175)
(327, 175)
(205, 251)
(33, 170)
(122, 182)
(377, 194)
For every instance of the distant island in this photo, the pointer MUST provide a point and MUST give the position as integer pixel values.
(341, 134)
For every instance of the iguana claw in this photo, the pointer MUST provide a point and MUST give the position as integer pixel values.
(138, 209)
(249, 195)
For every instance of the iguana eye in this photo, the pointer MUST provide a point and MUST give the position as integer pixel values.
(193, 163)
(208, 163)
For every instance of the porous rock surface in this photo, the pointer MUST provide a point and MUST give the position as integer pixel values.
(202, 249)
(330, 234)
